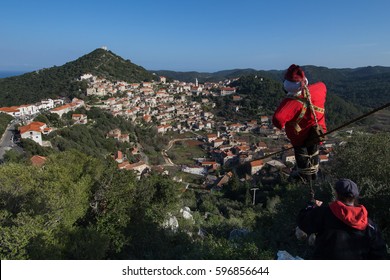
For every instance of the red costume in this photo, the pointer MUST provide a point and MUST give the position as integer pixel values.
(299, 114)
(289, 110)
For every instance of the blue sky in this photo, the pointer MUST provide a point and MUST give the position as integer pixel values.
(197, 35)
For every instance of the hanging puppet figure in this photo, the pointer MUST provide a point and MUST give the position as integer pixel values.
(302, 114)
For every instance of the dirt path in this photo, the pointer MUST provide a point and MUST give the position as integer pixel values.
(168, 161)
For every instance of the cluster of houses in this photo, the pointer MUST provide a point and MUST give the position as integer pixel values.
(28, 110)
(56, 106)
(228, 150)
(34, 130)
(170, 107)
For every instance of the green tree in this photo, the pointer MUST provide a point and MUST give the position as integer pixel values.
(113, 200)
(51, 119)
(40, 206)
(156, 198)
(365, 159)
(31, 148)
(13, 156)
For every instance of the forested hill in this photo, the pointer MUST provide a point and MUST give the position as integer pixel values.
(364, 86)
(205, 76)
(62, 80)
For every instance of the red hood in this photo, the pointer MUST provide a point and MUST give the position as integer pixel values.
(354, 216)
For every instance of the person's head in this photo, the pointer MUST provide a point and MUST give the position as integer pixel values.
(294, 79)
(347, 191)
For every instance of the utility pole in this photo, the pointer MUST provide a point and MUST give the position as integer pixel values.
(254, 194)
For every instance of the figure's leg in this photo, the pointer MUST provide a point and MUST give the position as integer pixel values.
(302, 161)
(314, 160)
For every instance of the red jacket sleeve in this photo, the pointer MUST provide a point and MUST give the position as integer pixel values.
(287, 111)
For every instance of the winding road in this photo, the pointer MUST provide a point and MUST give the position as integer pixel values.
(6, 141)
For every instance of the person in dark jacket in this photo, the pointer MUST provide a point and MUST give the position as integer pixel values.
(343, 229)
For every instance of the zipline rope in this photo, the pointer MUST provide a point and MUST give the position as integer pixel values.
(335, 129)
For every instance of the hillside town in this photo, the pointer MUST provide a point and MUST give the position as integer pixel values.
(172, 107)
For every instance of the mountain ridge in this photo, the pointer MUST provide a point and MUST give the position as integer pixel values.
(368, 86)
(63, 80)
(313, 71)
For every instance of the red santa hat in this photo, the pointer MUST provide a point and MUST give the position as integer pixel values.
(294, 73)
(294, 79)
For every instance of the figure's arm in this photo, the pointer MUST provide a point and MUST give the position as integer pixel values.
(286, 112)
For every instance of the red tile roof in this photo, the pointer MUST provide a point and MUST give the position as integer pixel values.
(34, 126)
(256, 163)
(38, 160)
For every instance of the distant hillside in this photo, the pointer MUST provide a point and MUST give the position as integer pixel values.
(363, 87)
(205, 76)
(62, 80)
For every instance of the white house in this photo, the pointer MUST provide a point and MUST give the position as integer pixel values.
(29, 109)
(289, 156)
(163, 128)
(256, 166)
(227, 91)
(46, 104)
(76, 103)
(34, 131)
(86, 76)
(80, 118)
(147, 84)
(139, 167)
(12, 111)
(61, 110)
(22, 110)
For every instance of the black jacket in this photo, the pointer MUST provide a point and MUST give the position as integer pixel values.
(343, 232)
